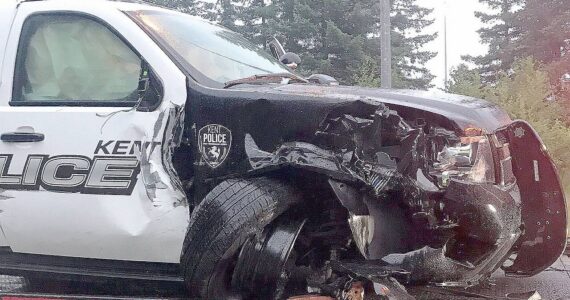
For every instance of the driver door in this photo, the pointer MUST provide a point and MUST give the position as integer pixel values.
(82, 133)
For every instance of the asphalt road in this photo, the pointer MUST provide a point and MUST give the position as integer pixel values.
(553, 284)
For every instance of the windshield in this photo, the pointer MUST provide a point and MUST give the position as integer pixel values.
(217, 53)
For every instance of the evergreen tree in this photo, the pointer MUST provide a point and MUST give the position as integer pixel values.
(466, 81)
(225, 13)
(192, 7)
(339, 37)
(545, 35)
(408, 38)
(500, 34)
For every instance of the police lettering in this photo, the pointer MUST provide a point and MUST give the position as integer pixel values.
(214, 138)
(125, 147)
(109, 175)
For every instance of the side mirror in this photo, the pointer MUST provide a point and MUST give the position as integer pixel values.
(291, 60)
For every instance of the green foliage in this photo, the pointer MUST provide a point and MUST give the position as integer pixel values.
(523, 93)
(367, 74)
(515, 30)
(524, 96)
(466, 81)
(500, 33)
(545, 35)
(186, 6)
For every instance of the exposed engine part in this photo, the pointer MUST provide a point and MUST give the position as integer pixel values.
(362, 228)
(374, 270)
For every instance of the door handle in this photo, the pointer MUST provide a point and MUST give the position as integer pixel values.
(21, 137)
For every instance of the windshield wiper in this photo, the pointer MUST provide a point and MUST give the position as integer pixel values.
(266, 78)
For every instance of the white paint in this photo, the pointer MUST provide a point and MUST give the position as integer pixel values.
(92, 226)
(536, 171)
(7, 12)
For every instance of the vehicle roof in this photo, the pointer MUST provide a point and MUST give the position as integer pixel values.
(121, 4)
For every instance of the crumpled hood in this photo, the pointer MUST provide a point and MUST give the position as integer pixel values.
(463, 111)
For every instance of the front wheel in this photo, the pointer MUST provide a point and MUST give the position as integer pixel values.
(231, 213)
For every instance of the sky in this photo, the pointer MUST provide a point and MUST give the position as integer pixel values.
(462, 36)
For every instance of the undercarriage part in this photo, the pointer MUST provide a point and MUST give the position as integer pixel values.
(489, 226)
(392, 230)
(349, 197)
(261, 270)
(372, 280)
(373, 270)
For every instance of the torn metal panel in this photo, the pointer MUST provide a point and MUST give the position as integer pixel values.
(303, 155)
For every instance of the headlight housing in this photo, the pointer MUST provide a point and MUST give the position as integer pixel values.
(470, 160)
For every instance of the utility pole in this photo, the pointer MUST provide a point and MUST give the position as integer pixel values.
(386, 44)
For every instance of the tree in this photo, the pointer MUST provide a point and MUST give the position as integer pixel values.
(332, 36)
(545, 35)
(186, 6)
(408, 38)
(340, 37)
(225, 13)
(366, 75)
(466, 81)
(500, 34)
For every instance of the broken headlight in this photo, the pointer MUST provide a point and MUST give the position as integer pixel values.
(469, 160)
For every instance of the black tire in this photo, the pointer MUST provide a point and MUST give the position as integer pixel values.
(230, 214)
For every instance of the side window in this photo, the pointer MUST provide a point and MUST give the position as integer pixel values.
(75, 60)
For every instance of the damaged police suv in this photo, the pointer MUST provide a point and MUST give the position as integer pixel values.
(142, 143)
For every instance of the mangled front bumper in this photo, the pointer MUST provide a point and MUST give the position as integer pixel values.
(543, 203)
(522, 215)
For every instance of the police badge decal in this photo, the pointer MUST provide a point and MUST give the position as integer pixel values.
(214, 142)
